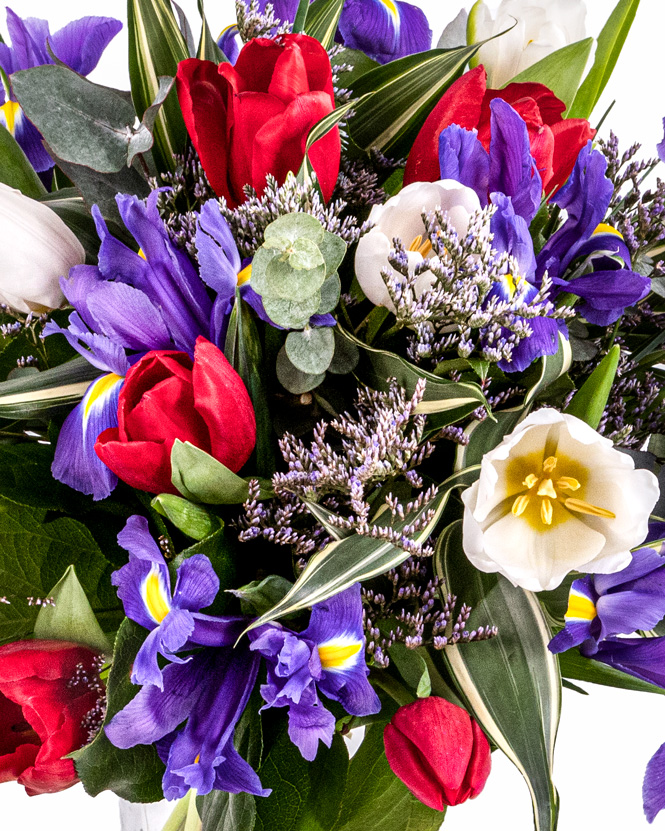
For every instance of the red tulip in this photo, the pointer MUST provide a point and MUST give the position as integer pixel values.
(252, 119)
(46, 690)
(438, 751)
(167, 397)
(555, 141)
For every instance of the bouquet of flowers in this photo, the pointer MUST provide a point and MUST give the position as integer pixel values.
(331, 403)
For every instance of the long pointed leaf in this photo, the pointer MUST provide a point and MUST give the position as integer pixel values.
(15, 169)
(322, 20)
(610, 44)
(512, 682)
(39, 392)
(156, 47)
(589, 401)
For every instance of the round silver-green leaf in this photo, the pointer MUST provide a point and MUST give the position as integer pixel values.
(291, 314)
(330, 292)
(292, 379)
(294, 226)
(312, 350)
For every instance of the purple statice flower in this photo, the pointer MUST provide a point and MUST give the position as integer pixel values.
(173, 618)
(127, 305)
(79, 44)
(384, 30)
(603, 605)
(209, 693)
(328, 657)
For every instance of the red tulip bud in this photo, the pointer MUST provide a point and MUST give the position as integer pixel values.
(438, 751)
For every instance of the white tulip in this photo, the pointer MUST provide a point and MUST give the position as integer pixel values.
(553, 497)
(541, 29)
(401, 217)
(37, 250)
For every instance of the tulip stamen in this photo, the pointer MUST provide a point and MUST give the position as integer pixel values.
(546, 488)
(567, 483)
(521, 504)
(550, 464)
(546, 511)
(581, 507)
(420, 247)
(530, 481)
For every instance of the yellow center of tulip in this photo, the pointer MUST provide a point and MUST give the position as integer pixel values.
(9, 110)
(424, 248)
(334, 656)
(546, 491)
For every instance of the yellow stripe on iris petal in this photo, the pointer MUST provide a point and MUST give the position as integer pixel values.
(154, 596)
(245, 275)
(580, 608)
(9, 110)
(392, 8)
(98, 389)
(338, 655)
(604, 228)
(227, 28)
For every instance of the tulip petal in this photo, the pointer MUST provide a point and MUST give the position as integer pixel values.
(252, 112)
(144, 465)
(569, 135)
(75, 462)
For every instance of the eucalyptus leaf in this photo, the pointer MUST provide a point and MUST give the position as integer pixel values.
(305, 255)
(311, 350)
(71, 617)
(191, 519)
(511, 683)
(201, 478)
(293, 379)
(292, 227)
(284, 281)
(291, 314)
(330, 292)
(333, 249)
(346, 355)
(15, 169)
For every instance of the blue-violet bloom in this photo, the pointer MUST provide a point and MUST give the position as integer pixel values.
(384, 29)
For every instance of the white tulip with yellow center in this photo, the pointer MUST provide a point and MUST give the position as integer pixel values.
(37, 250)
(401, 217)
(555, 497)
(541, 29)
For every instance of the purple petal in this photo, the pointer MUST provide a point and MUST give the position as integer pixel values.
(98, 350)
(228, 42)
(28, 37)
(384, 31)
(573, 634)
(128, 317)
(644, 562)
(607, 293)
(643, 658)
(216, 631)
(309, 723)
(219, 261)
(81, 43)
(135, 538)
(463, 158)
(511, 235)
(660, 149)
(339, 616)
(175, 629)
(197, 584)
(653, 787)
(236, 775)
(75, 462)
(622, 613)
(30, 141)
(145, 669)
(543, 340)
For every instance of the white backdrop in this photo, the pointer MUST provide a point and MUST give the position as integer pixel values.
(607, 737)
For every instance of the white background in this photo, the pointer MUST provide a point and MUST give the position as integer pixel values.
(607, 737)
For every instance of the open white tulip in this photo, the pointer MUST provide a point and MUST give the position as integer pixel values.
(37, 250)
(401, 217)
(553, 497)
(541, 29)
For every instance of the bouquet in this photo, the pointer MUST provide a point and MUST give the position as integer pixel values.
(331, 406)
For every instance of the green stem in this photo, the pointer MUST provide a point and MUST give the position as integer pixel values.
(179, 813)
(398, 692)
(193, 821)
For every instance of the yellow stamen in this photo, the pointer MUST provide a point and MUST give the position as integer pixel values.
(156, 603)
(546, 511)
(10, 110)
(546, 488)
(417, 242)
(245, 274)
(581, 507)
(567, 483)
(423, 248)
(521, 504)
(549, 464)
(334, 656)
(530, 480)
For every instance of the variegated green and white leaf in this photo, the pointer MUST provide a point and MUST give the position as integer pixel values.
(552, 367)
(323, 515)
(156, 47)
(39, 393)
(345, 562)
(322, 20)
(445, 401)
(511, 683)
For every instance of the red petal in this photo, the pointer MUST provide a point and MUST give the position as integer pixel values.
(165, 413)
(144, 465)
(253, 110)
(550, 107)
(319, 73)
(290, 76)
(570, 136)
(40, 658)
(256, 64)
(13, 764)
(460, 104)
(224, 404)
(412, 767)
(480, 764)
(205, 98)
(542, 149)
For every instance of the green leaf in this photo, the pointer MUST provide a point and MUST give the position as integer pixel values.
(333, 249)
(412, 666)
(330, 292)
(258, 597)
(346, 355)
(485, 436)
(71, 618)
(292, 227)
(610, 44)
(576, 666)
(191, 519)
(219, 548)
(15, 169)
(322, 21)
(292, 314)
(156, 47)
(311, 351)
(344, 562)
(323, 515)
(134, 774)
(305, 255)
(400, 96)
(82, 122)
(300, 19)
(201, 478)
(208, 49)
(589, 401)
(511, 683)
(292, 378)
(560, 71)
(375, 799)
(552, 368)
(450, 400)
(34, 554)
(68, 205)
(38, 393)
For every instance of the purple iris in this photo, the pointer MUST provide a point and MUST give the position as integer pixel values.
(603, 605)
(126, 306)
(80, 45)
(384, 30)
(329, 658)
(653, 787)
(173, 618)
